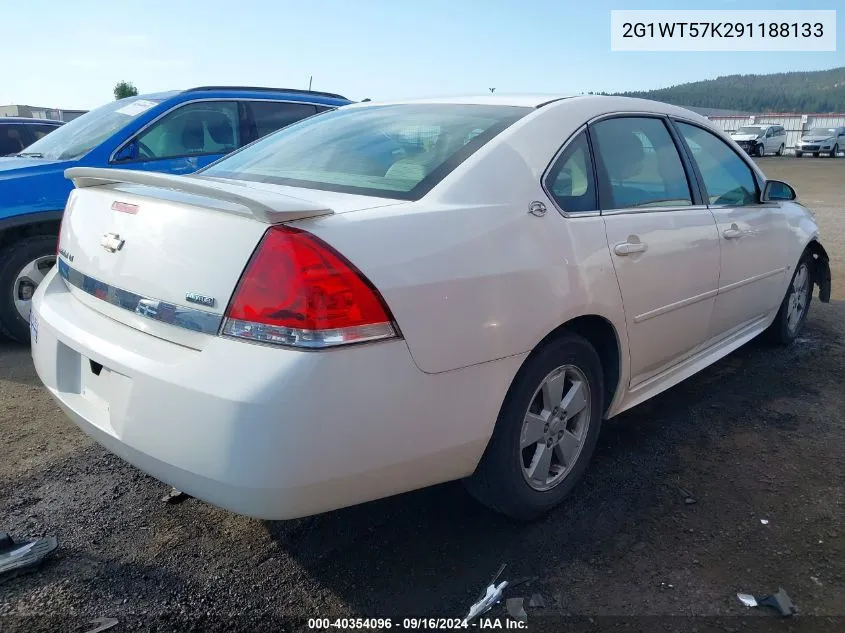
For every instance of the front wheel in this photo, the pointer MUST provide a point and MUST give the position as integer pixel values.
(780, 150)
(795, 305)
(834, 151)
(546, 431)
(760, 150)
(798, 154)
(25, 264)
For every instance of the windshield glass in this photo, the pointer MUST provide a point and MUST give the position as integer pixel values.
(749, 130)
(393, 151)
(821, 131)
(77, 137)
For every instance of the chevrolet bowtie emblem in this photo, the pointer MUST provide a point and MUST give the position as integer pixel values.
(111, 242)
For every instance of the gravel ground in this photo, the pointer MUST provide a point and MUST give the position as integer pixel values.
(760, 435)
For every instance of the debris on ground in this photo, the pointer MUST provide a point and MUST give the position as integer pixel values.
(816, 580)
(102, 624)
(516, 609)
(779, 601)
(536, 601)
(19, 557)
(764, 521)
(747, 599)
(175, 496)
(491, 595)
(688, 498)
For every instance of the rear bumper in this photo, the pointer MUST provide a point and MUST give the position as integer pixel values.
(266, 432)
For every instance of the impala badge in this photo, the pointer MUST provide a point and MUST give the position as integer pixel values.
(193, 297)
(111, 242)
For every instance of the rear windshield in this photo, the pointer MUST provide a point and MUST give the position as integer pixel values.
(392, 151)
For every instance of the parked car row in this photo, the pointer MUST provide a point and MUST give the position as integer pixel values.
(173, 132)
(386, 296)
(760, 140)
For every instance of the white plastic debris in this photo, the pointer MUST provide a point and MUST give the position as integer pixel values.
(764, 521)
(747, 599)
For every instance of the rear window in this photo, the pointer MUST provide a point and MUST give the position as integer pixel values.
(393, 151)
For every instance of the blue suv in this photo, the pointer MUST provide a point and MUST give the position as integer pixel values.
(174, 132)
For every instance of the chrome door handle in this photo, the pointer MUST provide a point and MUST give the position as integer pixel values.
(732, 233)
(627, 248)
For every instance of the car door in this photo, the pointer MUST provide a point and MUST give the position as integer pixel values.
(840, 139)
(752, 236)
(184, 139)
(662, 239)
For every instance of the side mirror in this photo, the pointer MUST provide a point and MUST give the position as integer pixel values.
(776, 190)
(127, 152)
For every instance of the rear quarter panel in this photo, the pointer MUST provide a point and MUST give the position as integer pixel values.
(468, 273)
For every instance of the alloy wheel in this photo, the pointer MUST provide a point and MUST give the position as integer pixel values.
(554, 428)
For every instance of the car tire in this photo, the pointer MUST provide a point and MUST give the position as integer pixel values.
(780, 150)
(798, 154)
(834, 151)
(510, 477)
(760, 150)
(34, 253)
(795, 305)
(815, 154)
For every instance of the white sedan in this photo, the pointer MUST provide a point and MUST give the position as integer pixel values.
(393, 295)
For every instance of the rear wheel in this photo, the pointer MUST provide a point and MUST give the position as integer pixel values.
(25, 264)
(546, 432)
(795, 306)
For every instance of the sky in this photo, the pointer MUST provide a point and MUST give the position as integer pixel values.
(69, 54)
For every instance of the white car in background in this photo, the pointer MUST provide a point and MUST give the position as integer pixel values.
(393, 295)
(827, 140)
(759, 140)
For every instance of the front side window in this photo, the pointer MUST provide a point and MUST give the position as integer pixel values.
(570, 180)
(78, 137)
(269, 116)
(640, 165)
(727, 178)
(12, 139)
(393, 151)
(203, 127)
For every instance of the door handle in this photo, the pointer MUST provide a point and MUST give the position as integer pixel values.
(732, 233)
(627, 248)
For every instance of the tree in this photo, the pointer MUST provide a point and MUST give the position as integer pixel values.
(123, 89)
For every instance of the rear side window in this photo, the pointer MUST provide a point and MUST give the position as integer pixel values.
(639, 165)
(269, 116)
(393, 151)
(12, 139)
(727, 178)
(570, 180)
(40, 131)
(204, 127)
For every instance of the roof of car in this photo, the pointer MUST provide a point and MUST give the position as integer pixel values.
(287, 92)
(24, 119)
(527, 101)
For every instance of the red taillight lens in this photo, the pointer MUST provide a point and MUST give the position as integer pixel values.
(297, 290)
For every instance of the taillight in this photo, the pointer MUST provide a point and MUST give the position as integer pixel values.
(71, 200)
(298, 291)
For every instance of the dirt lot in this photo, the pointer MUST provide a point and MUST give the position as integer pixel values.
(761, 435)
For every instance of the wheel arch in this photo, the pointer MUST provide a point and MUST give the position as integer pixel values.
(29, 225)
(603, 336)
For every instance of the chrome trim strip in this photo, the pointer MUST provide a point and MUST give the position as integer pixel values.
(683, 303)
(628, 210)
(148, 307)
(751, 280)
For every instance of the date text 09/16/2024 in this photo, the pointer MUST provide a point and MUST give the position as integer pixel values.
(414, 624)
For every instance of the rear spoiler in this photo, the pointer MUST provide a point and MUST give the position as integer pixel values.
(263, 206)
